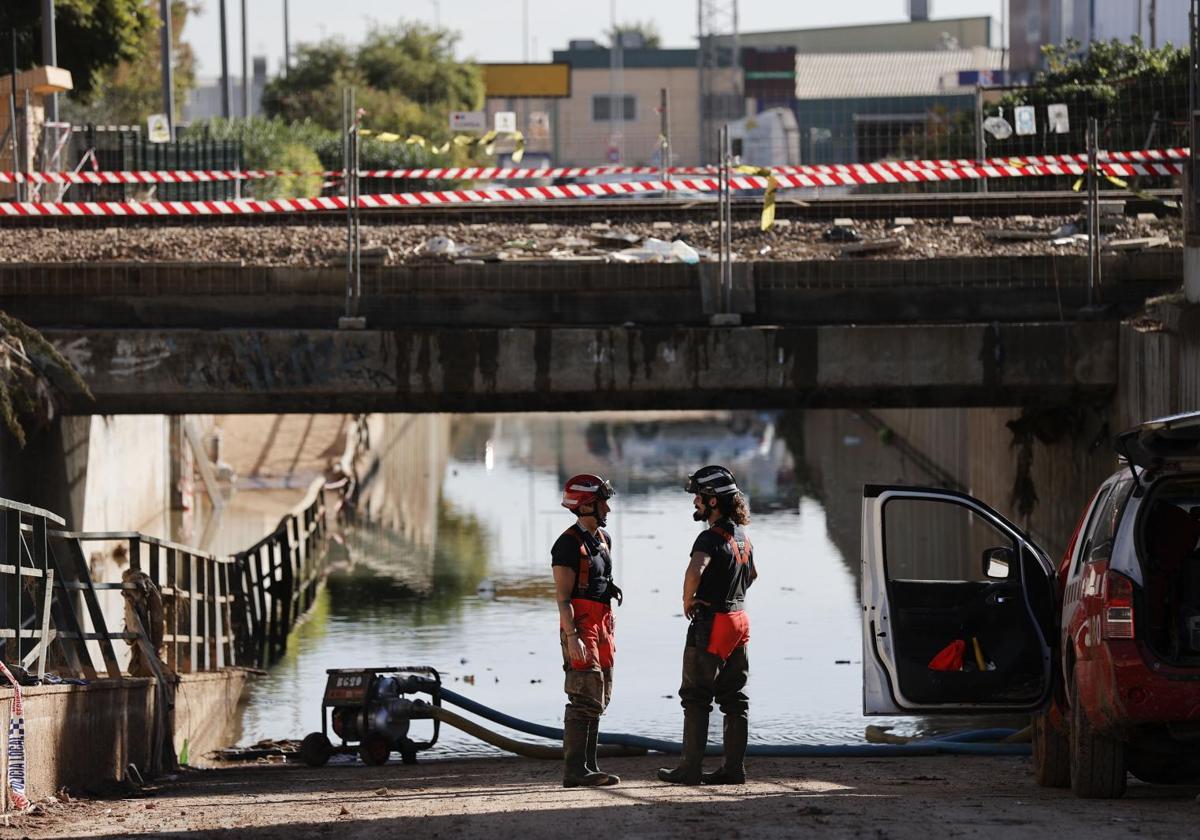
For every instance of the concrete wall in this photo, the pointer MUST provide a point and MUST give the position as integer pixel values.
(84, 737)
(1159, 363)
(400, 469)
(974, 448)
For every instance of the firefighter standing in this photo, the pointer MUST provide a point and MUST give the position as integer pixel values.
(582, 565)
(715, 660)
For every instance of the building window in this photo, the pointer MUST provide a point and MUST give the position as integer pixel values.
(602, 110)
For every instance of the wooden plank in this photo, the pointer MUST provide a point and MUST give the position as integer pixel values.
(74, 648)
(171, 608)
(93, 607)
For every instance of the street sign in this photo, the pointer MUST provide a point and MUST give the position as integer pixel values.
(506, 122)
(468, 121)
(158, 129)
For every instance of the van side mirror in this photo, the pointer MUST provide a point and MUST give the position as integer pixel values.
(996, 562)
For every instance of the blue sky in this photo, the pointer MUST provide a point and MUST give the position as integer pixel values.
(492, 29)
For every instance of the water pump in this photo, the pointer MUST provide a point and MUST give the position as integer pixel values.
(368, 711)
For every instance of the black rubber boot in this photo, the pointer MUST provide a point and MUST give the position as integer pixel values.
(575, 772)
(589, 757)
(733, 770)
(695, 739)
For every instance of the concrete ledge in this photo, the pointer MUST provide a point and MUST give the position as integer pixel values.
(83, 736)
(577, 369)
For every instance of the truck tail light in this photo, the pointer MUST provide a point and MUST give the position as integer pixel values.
(1118, 607)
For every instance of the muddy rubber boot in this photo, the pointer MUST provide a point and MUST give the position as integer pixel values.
(589, 757)
(575, 773)
(695, 739)
(733, 770)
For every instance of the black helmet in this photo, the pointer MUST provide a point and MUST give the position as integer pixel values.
(713, 480)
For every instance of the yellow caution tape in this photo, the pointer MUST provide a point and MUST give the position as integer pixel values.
(487, 141)
(1124, 185)
(768, 213)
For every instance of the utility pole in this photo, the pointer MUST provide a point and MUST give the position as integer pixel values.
(720, 86)
(224, 63)
(287, 41)
(49, 55)
(168, 77)
(245, 68)
(1153, 24)
(616, 89)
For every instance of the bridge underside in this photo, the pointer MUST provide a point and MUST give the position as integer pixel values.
(168, 371)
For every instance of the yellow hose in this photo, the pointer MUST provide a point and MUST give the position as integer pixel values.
(524, 748)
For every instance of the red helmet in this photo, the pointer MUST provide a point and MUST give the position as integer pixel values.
(585, 489)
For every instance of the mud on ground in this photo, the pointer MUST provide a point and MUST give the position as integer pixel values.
(500, 798)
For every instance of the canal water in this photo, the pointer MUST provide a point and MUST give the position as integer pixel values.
(478, 604)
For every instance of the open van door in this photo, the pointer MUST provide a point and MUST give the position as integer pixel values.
(958, 607)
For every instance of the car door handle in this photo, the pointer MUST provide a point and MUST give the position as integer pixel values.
(995, 599)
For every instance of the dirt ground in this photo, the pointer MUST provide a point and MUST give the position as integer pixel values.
(500, 798)
(297, 245)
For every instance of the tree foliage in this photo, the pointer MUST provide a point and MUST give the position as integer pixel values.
(92, 35)
(647, 29)
(131, 90)
(25, 390)
(1136, 93)
(405, 78)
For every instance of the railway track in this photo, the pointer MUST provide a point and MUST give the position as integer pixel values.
(824, 208)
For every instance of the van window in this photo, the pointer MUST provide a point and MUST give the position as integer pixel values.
(1086, 539)
(1105, 521)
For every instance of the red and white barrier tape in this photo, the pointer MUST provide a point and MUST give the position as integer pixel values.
(16, 745)
(518, 194)
(477, 173)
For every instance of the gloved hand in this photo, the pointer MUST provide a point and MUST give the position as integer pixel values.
(614, 593)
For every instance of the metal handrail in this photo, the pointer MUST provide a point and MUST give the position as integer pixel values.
(218, 610)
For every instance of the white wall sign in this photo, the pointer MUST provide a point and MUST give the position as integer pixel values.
(158, 130)
(1058, 118)
(1025, 117)
(506, 122)
(468, 121)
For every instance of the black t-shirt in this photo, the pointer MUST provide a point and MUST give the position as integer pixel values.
(591, 559)
(727, 575)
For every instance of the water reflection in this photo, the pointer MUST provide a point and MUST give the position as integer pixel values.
(478, 604)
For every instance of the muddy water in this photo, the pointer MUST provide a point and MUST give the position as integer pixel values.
(478, 604)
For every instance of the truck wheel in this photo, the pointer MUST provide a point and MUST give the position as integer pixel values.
(315, 749)
(1051, 753)
(1097, 760)
(374, 750)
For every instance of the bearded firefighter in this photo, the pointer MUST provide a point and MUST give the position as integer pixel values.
(716, 663)
(581, 560)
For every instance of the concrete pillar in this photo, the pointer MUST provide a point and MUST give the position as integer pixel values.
(1191, 273)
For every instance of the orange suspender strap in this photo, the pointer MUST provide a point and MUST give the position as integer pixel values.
(584, 572)
(738, 556)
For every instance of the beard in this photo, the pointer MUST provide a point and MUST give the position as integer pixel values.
(699, 515)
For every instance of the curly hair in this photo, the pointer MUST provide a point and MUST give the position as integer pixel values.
(735, 507)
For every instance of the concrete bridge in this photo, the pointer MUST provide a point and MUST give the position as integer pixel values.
(178, 338)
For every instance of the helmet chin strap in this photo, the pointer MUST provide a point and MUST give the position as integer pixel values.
(601, 521)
